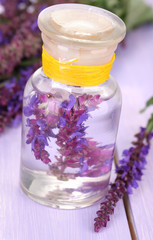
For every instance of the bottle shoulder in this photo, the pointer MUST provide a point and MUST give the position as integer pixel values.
(43, 84)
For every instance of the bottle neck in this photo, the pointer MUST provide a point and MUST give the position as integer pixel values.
(86, 56)
(75, 75)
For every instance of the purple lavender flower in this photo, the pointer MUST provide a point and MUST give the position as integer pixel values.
(11, 96)
(34, 26)
(76, 151)
(39, 131)
(84, 168)
(1, 37)
(82, 118)
(62, 122)
(16, 121)
(21, 46)
(31, 107)
(71, 102)
(128, 173)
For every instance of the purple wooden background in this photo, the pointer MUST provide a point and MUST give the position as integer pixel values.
(23, 219)
(135, 77)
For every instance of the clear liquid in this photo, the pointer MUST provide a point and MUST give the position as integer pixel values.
(66, 186)
(71, 194)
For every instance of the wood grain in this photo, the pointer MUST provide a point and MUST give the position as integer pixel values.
(23, 219)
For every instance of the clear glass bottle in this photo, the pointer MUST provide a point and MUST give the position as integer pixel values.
(69, 131)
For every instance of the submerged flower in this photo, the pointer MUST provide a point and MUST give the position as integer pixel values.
(71, 102)
(44, 114)
(29, 109)
(84, 168)
(53, 106)
(82, 118)
(39, 129)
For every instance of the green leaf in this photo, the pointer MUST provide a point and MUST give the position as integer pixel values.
(150, 124)
(148, 103)
(132, 12)
(29, 62)
(138, 13)
(119, 7)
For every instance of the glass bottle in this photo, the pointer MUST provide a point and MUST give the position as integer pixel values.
(70, 119)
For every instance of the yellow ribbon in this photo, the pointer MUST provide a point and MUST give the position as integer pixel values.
(76, 75)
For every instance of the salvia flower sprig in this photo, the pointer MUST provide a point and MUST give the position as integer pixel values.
(46, 114)
(20, 49)
(11, 96)
(128, 173)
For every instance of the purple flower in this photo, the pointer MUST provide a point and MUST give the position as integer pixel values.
(27, 111)
(71, 102)
(43, 6)
(142, 132)
(78, 135)
(64, 104)
(34, 26)
(1, 37)
(25, 74)
(128, 173)
(126, 153)
(84, 168)
(81, 160)
(11, 83)
(134, 184)
(31, 107)
(129, 189)
(145, 150)
(16, 121)
(68, 119)
(62, 122)
(45, 156)
(42, 124)
(82, 118)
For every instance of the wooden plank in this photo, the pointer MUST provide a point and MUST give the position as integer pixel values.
(134, 75)
(21, 218)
